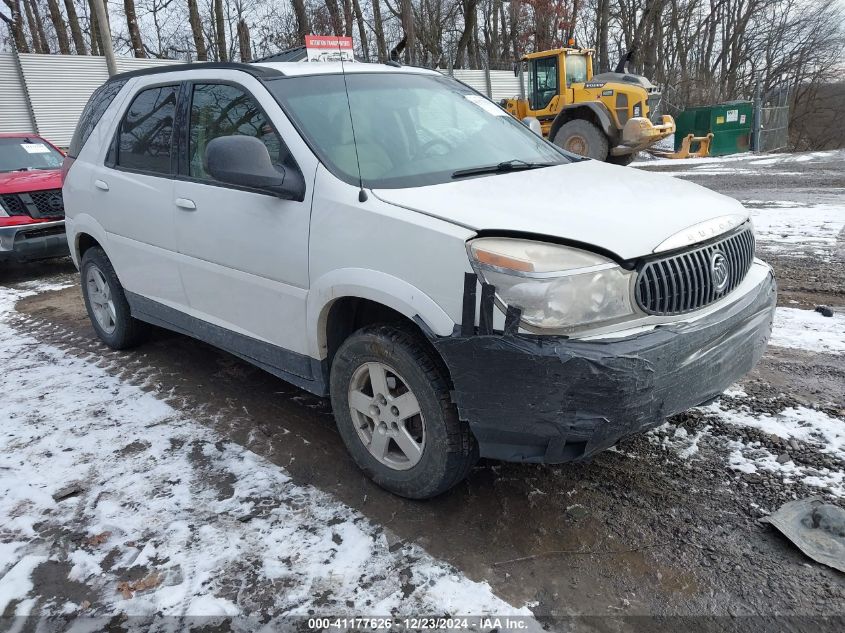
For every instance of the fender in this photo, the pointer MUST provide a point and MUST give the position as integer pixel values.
(83, 223)
(598, 109)
(375, 286)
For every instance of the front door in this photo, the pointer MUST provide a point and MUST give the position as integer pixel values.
(544, 82)
(243, 253)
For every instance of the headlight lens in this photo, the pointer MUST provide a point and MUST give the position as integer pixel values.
(556, 287)
(3, 212)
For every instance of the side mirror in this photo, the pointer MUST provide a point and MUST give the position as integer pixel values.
(533, 124)
(245, 161)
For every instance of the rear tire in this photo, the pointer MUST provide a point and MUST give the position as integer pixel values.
(582, 137)
(624, 160)
(376, 430)
(106, 303)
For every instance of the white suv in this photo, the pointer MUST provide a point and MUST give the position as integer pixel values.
(457, 285)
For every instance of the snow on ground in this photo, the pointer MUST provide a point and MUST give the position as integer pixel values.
(802, 429)
(809, 330)
(646, 160)
(782, 224)
(136, 509)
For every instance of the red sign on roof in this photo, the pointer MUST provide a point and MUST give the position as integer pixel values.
(328, 48)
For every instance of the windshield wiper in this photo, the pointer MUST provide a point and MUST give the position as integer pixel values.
(514, 164)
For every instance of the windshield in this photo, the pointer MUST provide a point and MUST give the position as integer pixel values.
(411, 130)
(576, 69)
(23, 153)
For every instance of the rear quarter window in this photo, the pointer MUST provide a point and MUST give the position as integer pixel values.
(97, 105)
(145, 134)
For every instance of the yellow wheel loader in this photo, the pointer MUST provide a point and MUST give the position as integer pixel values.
(604, 116)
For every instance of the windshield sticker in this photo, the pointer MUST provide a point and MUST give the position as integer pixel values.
(486, 105)
(35, 148)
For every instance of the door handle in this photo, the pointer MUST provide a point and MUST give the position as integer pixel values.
(101, 184)
(185, 203)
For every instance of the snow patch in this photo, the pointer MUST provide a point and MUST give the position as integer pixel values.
(809, 330)
(215, 529)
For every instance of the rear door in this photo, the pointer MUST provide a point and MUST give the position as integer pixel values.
(244, 253)
(133, 192)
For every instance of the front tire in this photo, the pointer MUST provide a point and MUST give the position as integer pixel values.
(106, 302)
(390, 396)
(583, 138)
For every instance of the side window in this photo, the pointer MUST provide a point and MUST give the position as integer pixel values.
(224, 110)
(576, 69)
(96, 107)
(147, 129)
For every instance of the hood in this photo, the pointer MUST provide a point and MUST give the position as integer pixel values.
(623, 210)
(35, 180)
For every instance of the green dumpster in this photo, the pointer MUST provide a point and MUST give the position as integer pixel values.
(729, 122)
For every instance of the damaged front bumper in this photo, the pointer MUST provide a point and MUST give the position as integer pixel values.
(551, 399)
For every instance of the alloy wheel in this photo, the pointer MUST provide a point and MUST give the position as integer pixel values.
(99, 296)
(387, 416)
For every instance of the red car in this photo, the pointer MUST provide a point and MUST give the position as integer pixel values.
(32, 212)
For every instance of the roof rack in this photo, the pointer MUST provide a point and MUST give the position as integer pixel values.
(256, 71)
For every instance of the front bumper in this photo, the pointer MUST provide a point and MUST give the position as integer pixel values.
(39, 240)
(551, 399)
(640, 133)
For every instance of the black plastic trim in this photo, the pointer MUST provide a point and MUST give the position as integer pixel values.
(259, 72)
(298, 369)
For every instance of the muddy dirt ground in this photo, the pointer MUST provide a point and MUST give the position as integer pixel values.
(635, 531)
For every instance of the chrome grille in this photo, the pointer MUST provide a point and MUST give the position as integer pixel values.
(690, 280)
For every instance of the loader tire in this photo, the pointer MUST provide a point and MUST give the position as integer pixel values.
(582, 137)
(625, 159)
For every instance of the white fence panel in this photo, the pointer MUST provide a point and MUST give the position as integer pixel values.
(473, 78)
(59, 87)
(504, 84)
(14, 109)
(127, 64)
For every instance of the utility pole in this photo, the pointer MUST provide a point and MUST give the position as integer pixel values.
(756, 118)
(105, 35)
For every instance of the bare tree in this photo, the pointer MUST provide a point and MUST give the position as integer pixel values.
(75, 30)
(36, 29)
(220, 31)
(132, 25)
(378, 29)
(362, 29)
(406, 17)
(243, 41)
(196, 30)
(303, 26)
(15, 24)
(59, 27)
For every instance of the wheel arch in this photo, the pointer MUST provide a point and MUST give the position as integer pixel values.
(345, 300)
(83, 233)
(595, 113)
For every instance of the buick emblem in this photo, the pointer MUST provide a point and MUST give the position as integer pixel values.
(719, 270)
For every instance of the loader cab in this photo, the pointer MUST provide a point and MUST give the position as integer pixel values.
(557, 73)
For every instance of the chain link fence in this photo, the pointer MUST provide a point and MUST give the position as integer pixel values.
(774, 128)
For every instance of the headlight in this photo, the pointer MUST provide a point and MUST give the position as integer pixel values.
(3, 212)
(556, 287)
